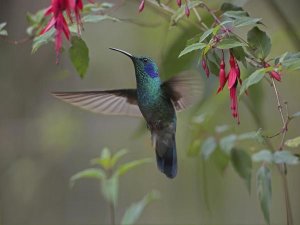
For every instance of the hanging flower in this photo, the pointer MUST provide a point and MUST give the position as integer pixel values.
(142, 6)
(233, 79)
(222, 75)
(58, 21)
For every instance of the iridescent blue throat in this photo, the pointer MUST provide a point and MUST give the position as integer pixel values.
(151, 70)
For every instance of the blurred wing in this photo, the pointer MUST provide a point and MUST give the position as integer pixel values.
(114, 102)
(184, 89)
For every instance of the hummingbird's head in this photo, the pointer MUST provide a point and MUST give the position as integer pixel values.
(142, 64)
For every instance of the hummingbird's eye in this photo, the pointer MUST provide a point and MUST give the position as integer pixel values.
(145, 60)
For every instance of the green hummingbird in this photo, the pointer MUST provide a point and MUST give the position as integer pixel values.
(152, 99)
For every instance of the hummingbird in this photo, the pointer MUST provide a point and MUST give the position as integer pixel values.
(154, 100)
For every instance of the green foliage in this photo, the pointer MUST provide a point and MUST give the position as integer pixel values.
(242, 164)
(241, 18)
(263, 156)
(193, 47)
(230, 42)
(2, 31)
(254, 78)
(42, 39)
(259, 43)
(285, 157)
(35, 22)
(135, 210)
(109, 176)
(293, 143)
(289, 61)
(264, 190)
(79, 55)
(208, 147)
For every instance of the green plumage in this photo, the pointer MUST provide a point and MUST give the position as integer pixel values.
(152, 99)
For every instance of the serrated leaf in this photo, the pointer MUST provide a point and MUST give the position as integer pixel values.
(208, 147)
(229, 42)
(264, 190)
(190, 48)
(242, 164)
(131, 165)
(88, 173)
(42, 40)
(227, 143)
(133, 213)
(263, 156)
(254, 78)
(259, 42)
(286, 157)
(110, 189)
(79, 55)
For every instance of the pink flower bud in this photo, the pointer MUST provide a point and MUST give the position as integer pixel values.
(187, 11)
(142, 5)
(273, 74)
(222, 76)
(179, 3)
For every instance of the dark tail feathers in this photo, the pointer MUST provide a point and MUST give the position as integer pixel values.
(166, 154)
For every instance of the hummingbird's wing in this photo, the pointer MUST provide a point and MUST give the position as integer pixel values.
(114, 102)
(184, 89)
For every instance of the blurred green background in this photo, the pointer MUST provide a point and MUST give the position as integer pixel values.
(44, 141)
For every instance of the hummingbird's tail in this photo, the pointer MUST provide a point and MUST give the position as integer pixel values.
(165, 148)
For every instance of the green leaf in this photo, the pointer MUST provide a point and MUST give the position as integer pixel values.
(286, 157)
(88, 173)
(246, 136)
(297, 114)
(104, 160)
(263, 156)
(264, 190)
(117, 156)
(254, 78)
(206, 34)
(208, 147)
(2, 31)
(241, 18)
(131, 165)
(133, 213)
(229, 42)
(259, 137)
(222, 128)
(43, 39)
(227, 143)
(98, 18)
(230, 7)
(259, 42)
(79, 55)
(110, 189)
(293, 143)
(193, 47)
(240, 54)
(194, 148)
(242, 164)
(290, 61)
(220, 159)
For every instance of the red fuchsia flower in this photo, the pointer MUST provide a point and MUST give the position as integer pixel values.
(233, 79)
(205, 67)
(222, 75)
(58, 21)
(142, 6)
(273, 73)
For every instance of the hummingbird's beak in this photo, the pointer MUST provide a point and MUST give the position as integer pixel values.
(125, 53)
